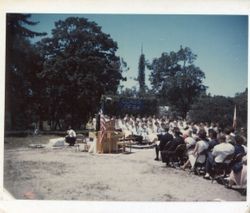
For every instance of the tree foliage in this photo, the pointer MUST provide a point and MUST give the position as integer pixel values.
(141, 75)
(22, 62)
(80, 65)
(240, 100)
(128, 92)
(220, 109)
(217, 109)
(176, 79)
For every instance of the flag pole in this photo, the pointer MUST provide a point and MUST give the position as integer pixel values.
(234, 118)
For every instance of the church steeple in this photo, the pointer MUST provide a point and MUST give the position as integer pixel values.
(141, 48)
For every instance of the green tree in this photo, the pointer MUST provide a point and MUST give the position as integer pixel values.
(141, 75)
(218, 109)
(80, 65)
(129, 92)
(240, 100)
(22, 62)
(176, 80)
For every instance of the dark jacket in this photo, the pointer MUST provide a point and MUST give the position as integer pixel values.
(238, 149)
(175, 142)
(164, 140)
(212, 143)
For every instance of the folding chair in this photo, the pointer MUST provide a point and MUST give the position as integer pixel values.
(80, 138)
(180, 153)
(176, 155)
(223, 168)
(197, 168)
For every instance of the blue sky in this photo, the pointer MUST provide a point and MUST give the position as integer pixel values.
(220, 42)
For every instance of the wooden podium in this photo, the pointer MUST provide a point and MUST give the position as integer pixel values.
(109, 142)
(105, 140)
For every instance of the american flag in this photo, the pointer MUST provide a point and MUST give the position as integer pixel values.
(102, 125)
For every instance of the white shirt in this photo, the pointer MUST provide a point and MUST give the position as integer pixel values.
(161, 131)
(189, 142)
(120, 124)
(221, 151)
(154, 128)
(71, 133)
(195, 136)
(202, 145)
(150, 130)
(144, 132)
(139, 130)
(94, 123)
(133, 130)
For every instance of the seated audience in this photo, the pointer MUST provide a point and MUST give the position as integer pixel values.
(164, 139)
(198, 154)
(189, 141)
(239, 148)
(213, 139)
(238, 175)
(171, 146)
(238, 172)
(229, 135)
(211, 143)
(219, 153)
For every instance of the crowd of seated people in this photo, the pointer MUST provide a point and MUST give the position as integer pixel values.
(189, 145)
(220, 154)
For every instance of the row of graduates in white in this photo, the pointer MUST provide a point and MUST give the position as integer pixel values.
(149, 127)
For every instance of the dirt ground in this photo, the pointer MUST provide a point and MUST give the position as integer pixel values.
(67, 174)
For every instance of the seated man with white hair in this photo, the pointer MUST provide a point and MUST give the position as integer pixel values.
(189, 141)
(219, 153)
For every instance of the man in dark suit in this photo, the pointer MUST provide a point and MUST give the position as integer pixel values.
(169, 149)
(164, 139)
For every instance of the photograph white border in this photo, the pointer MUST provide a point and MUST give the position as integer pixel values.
(225, 7)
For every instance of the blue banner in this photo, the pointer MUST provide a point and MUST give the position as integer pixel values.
(131, 104)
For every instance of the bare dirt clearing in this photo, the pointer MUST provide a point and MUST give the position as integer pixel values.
(64, 174)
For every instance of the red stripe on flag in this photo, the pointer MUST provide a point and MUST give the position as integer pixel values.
(102, 123)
